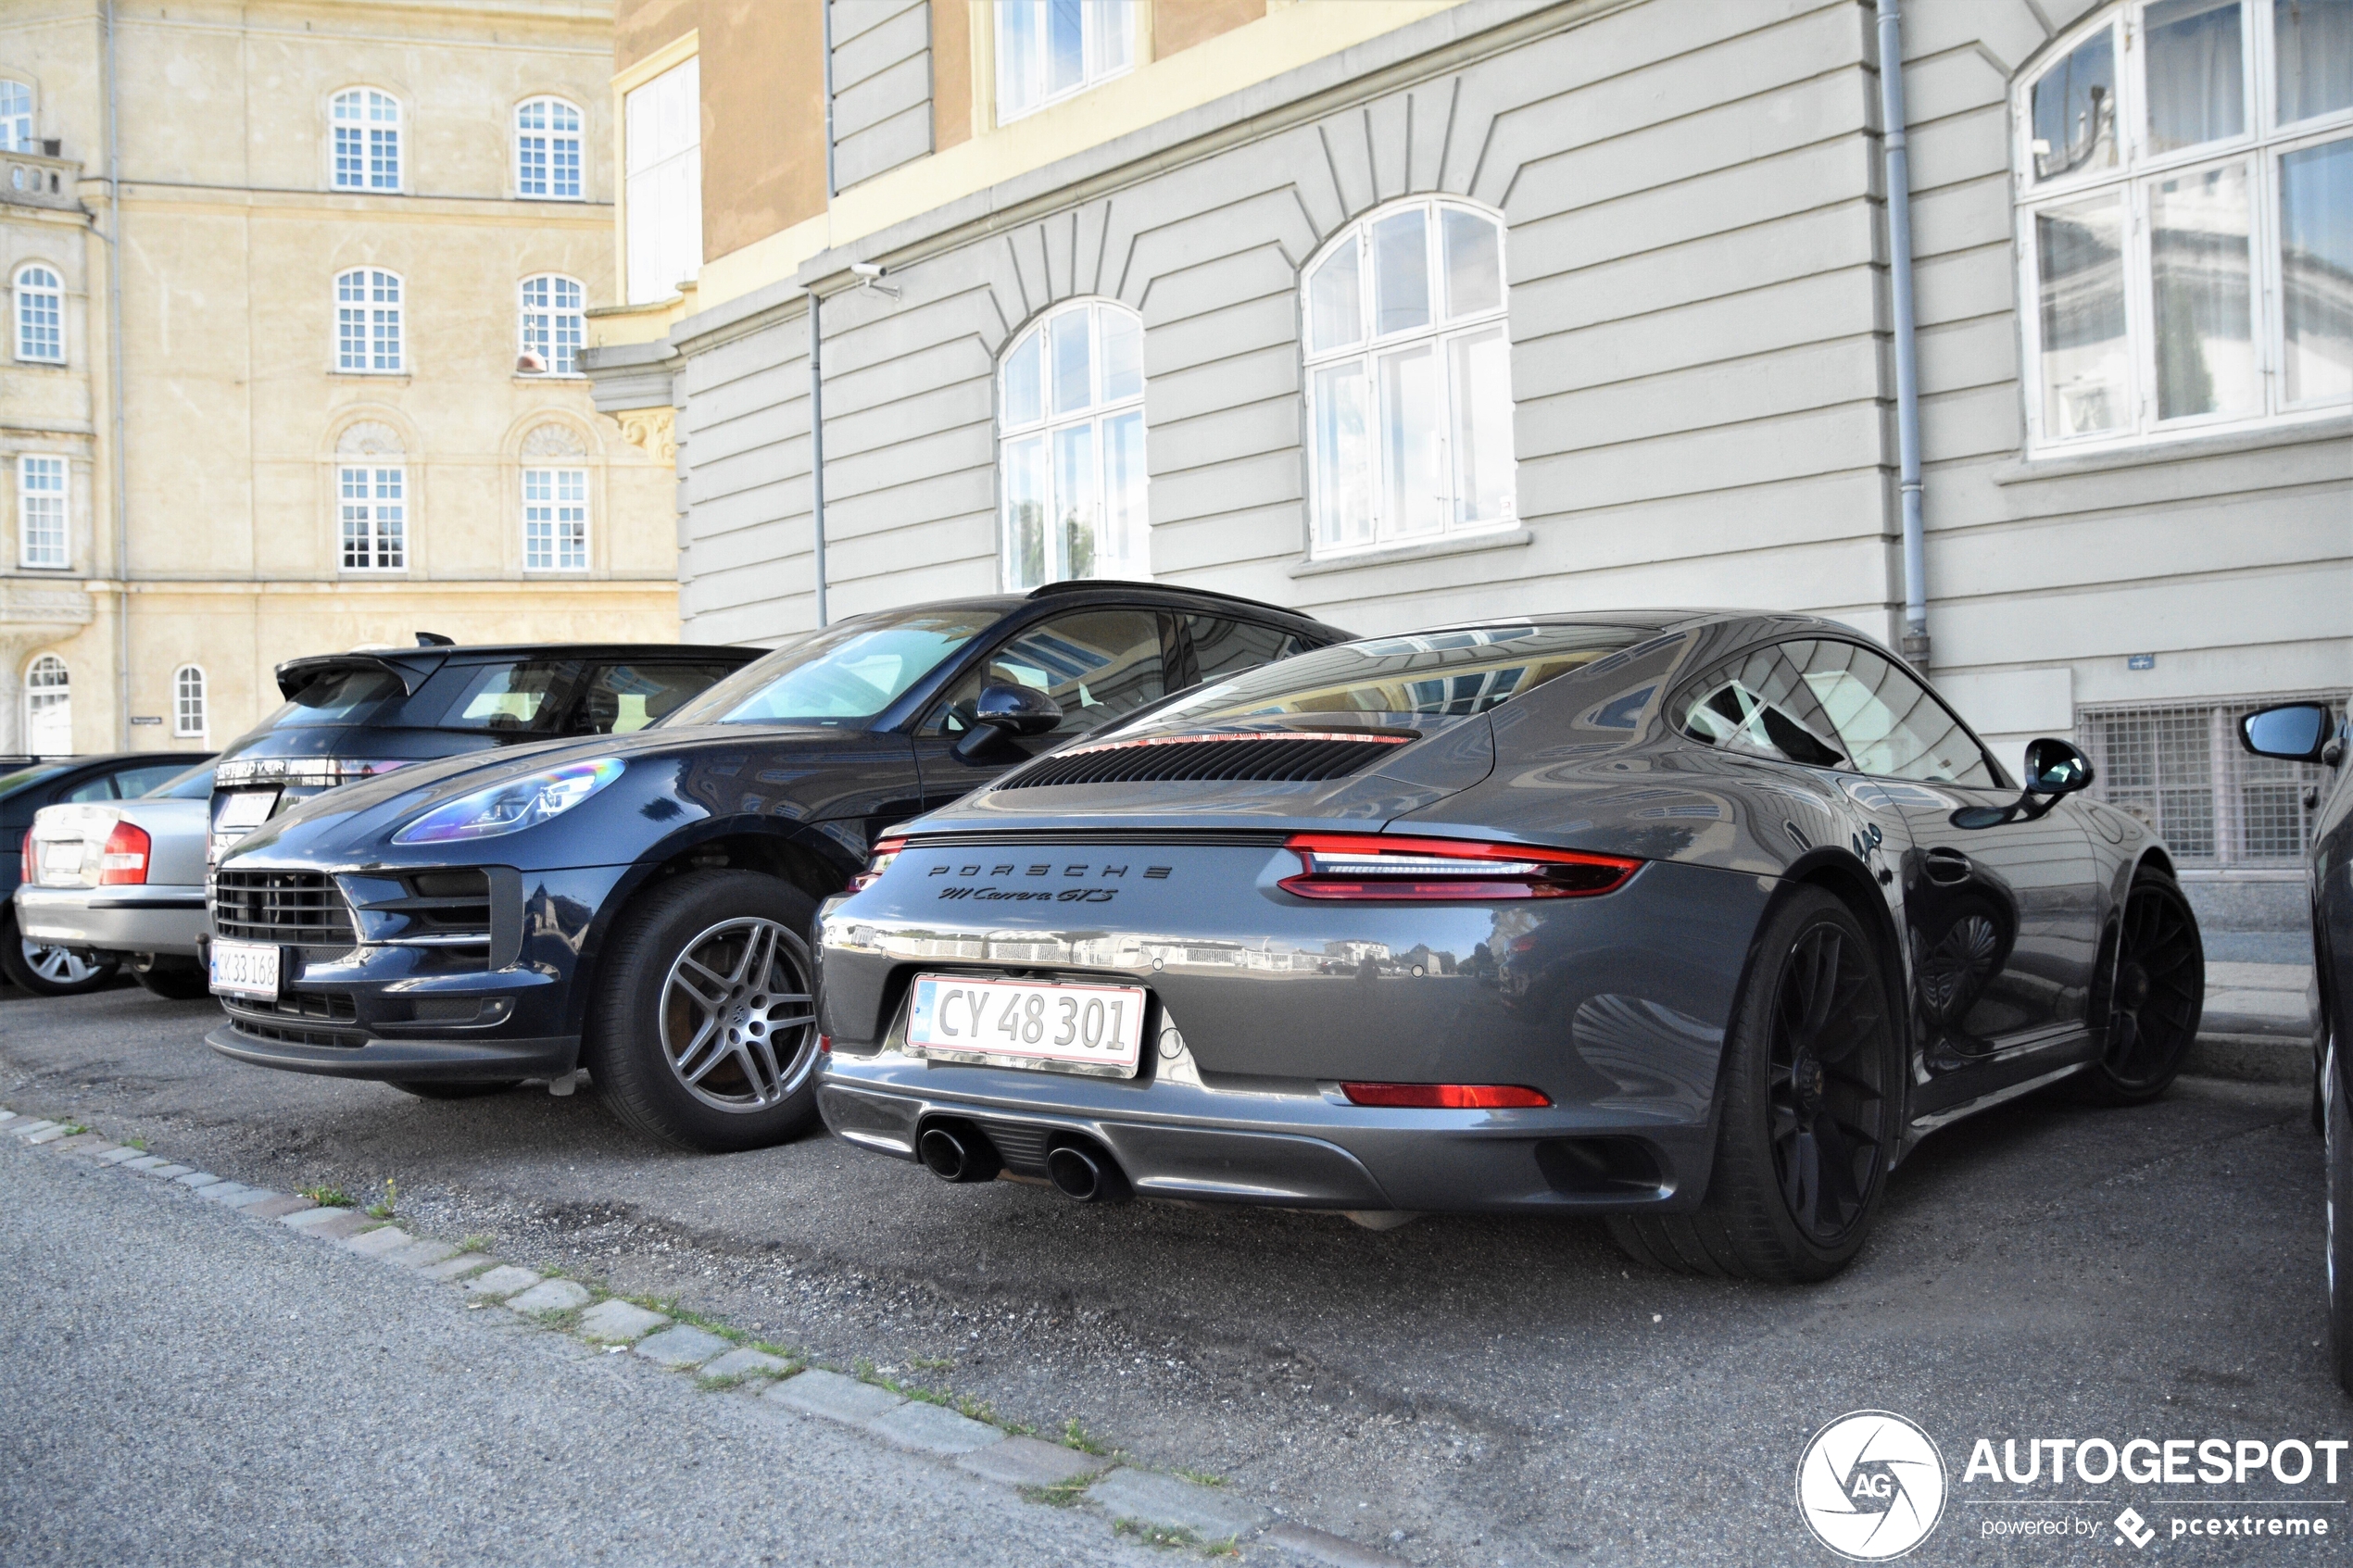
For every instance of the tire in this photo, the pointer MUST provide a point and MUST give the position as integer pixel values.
(1809, 1113)
(475, 1089)
(702, 1033)
(174, 979)
(2338, 1118)
(46, 970)
(2156, 994)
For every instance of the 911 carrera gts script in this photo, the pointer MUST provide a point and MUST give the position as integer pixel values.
(1041, 895)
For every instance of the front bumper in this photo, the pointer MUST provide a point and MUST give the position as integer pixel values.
(114, 920)
(1185, 1141)
(425, 1060)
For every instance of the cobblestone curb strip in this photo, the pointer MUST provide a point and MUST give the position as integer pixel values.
(1164, 1510)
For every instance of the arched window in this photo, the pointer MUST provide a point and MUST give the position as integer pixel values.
(1409, 389)
(188, 715)
(41, 315)
(1071, 456)
(42, 537)
(368, 322)
(553, 326)
(367, 134)
(372, 499)
(547, 150)
(48, 708)
(2185, 184)
(555, 500)
(15, 115)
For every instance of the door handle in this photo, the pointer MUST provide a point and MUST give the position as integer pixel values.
(1948, 868)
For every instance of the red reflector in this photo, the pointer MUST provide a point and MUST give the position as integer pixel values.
(1380, 867)
(824, 1043)
(1446, 1096)
(124, 862)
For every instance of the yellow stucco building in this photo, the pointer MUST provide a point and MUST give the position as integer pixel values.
(310, 380)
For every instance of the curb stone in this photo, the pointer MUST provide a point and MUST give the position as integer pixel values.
(978, 1448)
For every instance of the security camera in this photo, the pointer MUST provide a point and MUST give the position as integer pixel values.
(869, 270)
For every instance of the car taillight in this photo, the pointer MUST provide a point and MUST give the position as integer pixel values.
(1375, 867)
(886, 851)
(124, 862)
(1447, 1097)
(27, 871)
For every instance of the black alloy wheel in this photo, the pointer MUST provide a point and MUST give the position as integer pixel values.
(1810, 1110)
(704, 1033)
(174, 978)
(2156, 993)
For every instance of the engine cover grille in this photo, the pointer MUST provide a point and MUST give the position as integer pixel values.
(1276, 757)
(303, 908)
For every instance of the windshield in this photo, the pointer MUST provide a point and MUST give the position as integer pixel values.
(1431, 675)
(844, 675)
(195, 783)
(336, 696)
(11, 782)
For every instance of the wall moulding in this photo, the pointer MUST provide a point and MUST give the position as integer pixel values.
(653, 431)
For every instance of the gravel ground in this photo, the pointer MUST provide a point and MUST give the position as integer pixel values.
(188, 1387)
(1469, 1390)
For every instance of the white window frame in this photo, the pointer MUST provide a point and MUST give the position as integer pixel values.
(191, 712)
(1440, 331)
(53, 550)
(377, 123)
(45, 298)
(658, 176)
(542, 151)
(555, 519)
(371, 321)
(1133, 559)
(2258, 148)
(375, 495)
(40, 696)
(1101, 23)
(17, 112)
(555, 329)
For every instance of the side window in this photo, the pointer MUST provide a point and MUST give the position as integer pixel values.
(1757, 705)
(507, 697)
(1098, 664)
(623, 698)
(1228, 648)
(99, 788)
(1890, 723)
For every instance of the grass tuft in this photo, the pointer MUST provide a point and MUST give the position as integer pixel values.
(477, 1242)
(1203, 1478)
(1076, 1436)
(1164, 1536)
(327, 1196)
(384, 1209)
(1062, 1494)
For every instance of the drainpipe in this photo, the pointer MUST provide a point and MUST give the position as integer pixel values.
(817, 455)
(114, 356)
(1907, 381)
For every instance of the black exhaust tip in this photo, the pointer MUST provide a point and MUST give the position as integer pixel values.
(1087, 1173)
(956, 1153)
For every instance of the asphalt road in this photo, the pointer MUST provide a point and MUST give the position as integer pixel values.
(1475, 1391)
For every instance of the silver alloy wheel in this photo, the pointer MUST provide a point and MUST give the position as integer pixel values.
(738, 1024)
(58, 966)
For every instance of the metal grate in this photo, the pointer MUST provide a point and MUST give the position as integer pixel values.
(1273, 758)
(306, 908)
(2181, 769)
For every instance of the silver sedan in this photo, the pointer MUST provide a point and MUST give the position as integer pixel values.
(123, 879)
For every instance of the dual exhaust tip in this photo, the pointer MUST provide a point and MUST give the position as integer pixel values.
(1079, 1168)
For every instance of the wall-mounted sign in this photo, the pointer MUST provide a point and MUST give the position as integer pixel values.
(2140, 661)
(146, 718)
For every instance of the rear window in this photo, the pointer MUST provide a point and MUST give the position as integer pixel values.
(510, 697)
(11, 782)
(1431, 675)
(337, 696)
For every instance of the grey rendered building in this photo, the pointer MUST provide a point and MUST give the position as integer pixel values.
(1503, 307)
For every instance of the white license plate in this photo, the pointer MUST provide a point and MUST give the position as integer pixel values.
(245, 810)
(61, 860)
(246, 969)
(1092, 1029)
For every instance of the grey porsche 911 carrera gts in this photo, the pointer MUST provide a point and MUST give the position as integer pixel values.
(1700, 921)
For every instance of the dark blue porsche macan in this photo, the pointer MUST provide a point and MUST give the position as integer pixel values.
(1699, 921)
(638, 903)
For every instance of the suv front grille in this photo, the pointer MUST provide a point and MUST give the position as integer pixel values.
(303, 908)
(1272, 758)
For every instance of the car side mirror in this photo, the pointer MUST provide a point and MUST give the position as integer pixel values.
(2294, 732)
(1003, 713)
(2055, 767)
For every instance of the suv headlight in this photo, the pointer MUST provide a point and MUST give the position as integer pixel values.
(513, 805)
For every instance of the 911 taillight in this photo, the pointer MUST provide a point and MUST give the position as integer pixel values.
(1376, 868)
(124, 862)
(886, 851)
